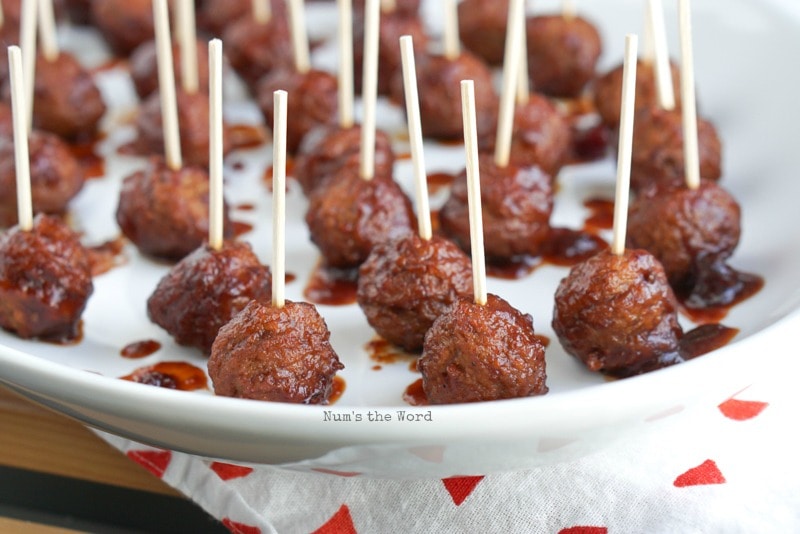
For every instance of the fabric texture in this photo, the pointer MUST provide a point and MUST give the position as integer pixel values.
(730, 467)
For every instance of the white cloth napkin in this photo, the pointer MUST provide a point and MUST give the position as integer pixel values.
(728, 467)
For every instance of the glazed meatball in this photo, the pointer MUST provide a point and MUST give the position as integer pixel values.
(6, 120)
(125, 24)
(392, 26)
(327, 149)
(516, 204)
(207, 289)
(608, 91)
(657, 154)
(407, 283)
(348, 215)
(479, 353)
(216, 16)
(66, 100)
(193, 124)
(562, 54)
(144, 67)
(165, 212)
(255, 49)
(688, 230)
(79, 11)
(312, 102)
(540, 136)
(45, 281)
(439, 85)
(617, 314)
(482, 28)
(275, 354)
(56, 176)
(408, 8)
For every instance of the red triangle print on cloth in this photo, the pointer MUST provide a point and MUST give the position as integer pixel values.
(154, 461)
(229, 471)
(705, 473)
(741, 410)
(239, 528)
(459, 488)
(339, 523)
(583, 530)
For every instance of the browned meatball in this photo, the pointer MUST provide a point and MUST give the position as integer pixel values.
(275, 354)
(541, 135)
(392, 26)
(347, 216)
(79, 11)
(608, 91)
(657, 154)
(406, 8)
(6, 120)
(312, 101)
(407, 283)
(193, 123)
(56, 176)
(482, 28)
(255, 49)
(479, 353)
(439, 84)
(327, 149)
(688, 230)
(216, 16)
(125, 24)
(516, 204)
(144, 67)
(165, 212)
(66, 100)
(207, 289)
(562, 54)
(45, 280)
(617, 314)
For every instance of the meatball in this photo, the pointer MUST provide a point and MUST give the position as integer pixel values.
(254, 49)
(408, 8)
(540, 136)
(79, 11)
(439, 85)
(392, 26)
(66, 100)
(6, 120)
(479, 353)
(608, 91)
(348, 215)
(617, 314)
(482, 28)
(313, 101)
(207, 289)
(326, 149)
(275, 354)
(45, 281)
(562, 54)
(125, 24)
(657, 153)
(406, 283)
(56, 176)
(216, 16)
(144, 67)
(165, 212)
(688, 230)
(516, 204)
(193, 123)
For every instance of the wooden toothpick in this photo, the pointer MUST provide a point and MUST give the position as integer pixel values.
(474, 191)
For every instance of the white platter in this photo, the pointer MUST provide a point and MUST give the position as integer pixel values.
(746, 87)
